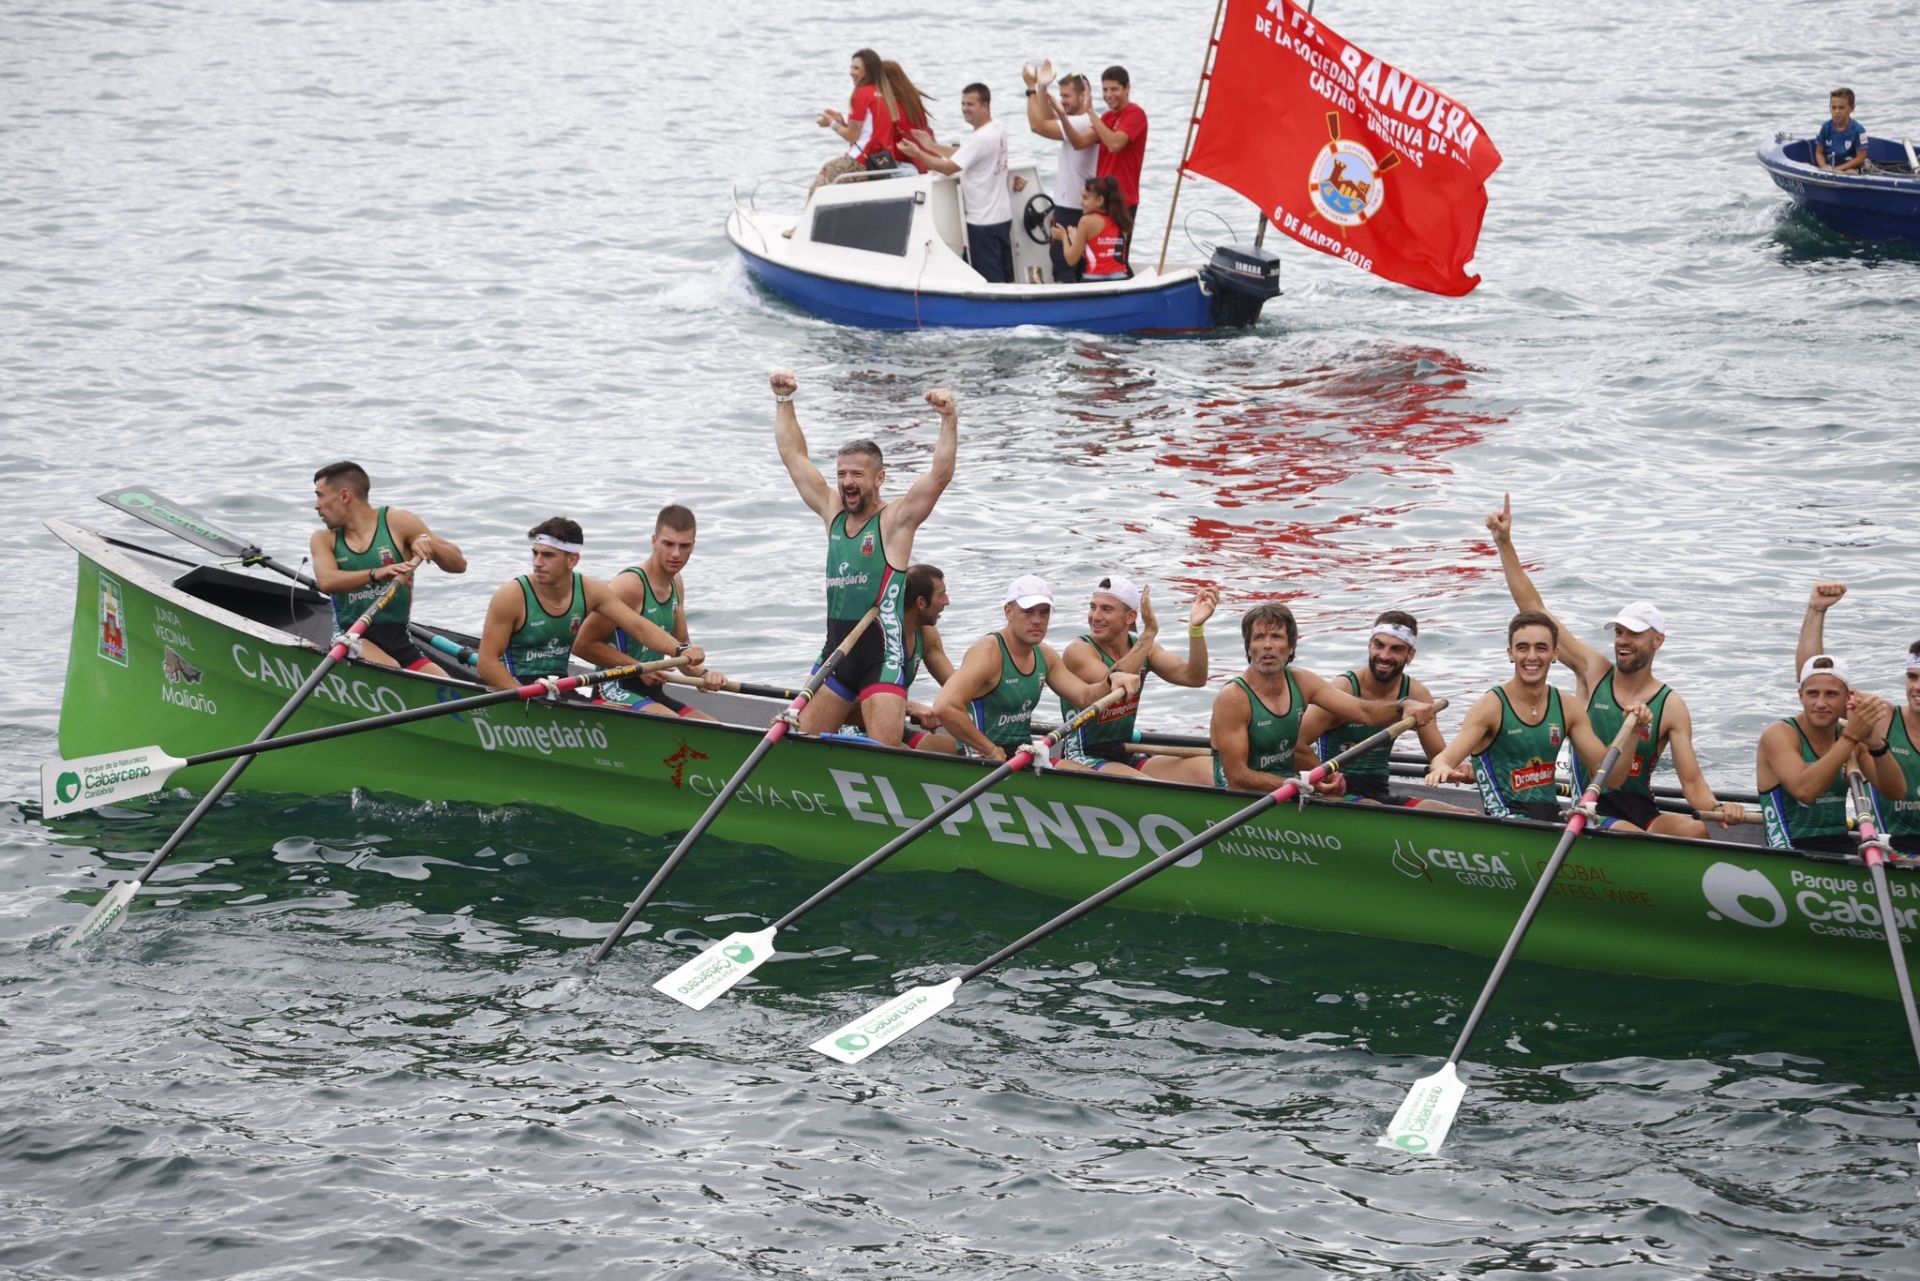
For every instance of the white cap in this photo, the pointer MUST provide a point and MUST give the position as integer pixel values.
(1121, 588)
(1029, 590)
(1640, 617)
(1829, 666)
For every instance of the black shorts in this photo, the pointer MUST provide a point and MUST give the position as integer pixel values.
(877, 662)
(397, 643)
(1544, 811)
(1631, 806)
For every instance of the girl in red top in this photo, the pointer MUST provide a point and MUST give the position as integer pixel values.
(867, 126)
(909, 107)
(1096, 247)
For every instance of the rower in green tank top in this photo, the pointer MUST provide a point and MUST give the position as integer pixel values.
(1390, 648)
(1257, 717)
(1801, 767)
(532, 620)
(656, 588)
(869, 547)
(361, 550)
(988, 704)
(1899, 815)
(1514, 731)
(1117, 603)
(1613, 679)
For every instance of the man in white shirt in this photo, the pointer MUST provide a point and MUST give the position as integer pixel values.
(981, 161)
(1044, 115)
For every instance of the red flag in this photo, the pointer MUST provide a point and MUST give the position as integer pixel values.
(1344, 153)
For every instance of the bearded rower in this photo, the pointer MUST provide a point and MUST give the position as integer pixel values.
(1514, 731)
(1801, 771)
(1606, 688)
(1899, 818)
(1110, 644)
(655, 588)
(532, 620)
(1396, 635)
(869, 546)
(392, 542)
(1255, 732)
(926, 600)
(988, 705)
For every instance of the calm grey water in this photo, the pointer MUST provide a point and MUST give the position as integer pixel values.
(478, 246)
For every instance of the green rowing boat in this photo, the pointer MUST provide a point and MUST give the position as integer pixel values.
(198, 658)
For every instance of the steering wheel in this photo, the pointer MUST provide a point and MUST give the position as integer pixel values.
(1034, 218)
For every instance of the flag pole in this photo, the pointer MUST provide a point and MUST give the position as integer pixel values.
(1193, 121)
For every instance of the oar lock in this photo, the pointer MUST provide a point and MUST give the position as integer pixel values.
(350, 641)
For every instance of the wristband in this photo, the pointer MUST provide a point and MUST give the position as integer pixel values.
(1196, 629)
(783, 400)
(1031, 92)
(1882, 750)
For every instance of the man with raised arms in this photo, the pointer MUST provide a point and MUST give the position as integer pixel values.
(1514, 731)
(988, 705)
(1110, 644)
(1801, 771)
(361, 550)
(1606, 685)
(869, 546)
(1899, 818)
(1396, 635)
(532, 620)
(655, 588)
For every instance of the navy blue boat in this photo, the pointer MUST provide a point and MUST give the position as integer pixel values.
(1881, 202)
(884, 252)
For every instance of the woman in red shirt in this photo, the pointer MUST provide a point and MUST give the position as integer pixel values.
(908, 105)
(1096, 247)
(867, 126)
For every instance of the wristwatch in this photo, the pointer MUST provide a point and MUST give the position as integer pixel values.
(1031, 92)
(1880, 751)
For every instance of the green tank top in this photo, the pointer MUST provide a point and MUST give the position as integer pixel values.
(1115, 725)
(544, 641)
(1271, 737)
(1789, 821)
(383, 550)
(1005, 712)
(911, 668)
(656, 611)
(1376, 763)
(1516, 769)
(1901, 818)
(1604, 711)
(856, 568)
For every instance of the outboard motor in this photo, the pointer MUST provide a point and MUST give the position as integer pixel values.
(1239, 282)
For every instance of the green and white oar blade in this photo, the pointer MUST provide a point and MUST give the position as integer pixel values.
(700, 982)
(1423, 1120)
(105, 917)
(881, 1027)
(68, 787)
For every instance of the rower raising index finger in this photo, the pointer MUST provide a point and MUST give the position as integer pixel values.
(1500, 523)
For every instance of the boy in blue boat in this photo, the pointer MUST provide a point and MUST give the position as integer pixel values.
(1841, 144)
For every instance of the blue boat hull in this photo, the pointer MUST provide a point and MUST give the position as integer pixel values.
(1872, 207)
(1179, 305)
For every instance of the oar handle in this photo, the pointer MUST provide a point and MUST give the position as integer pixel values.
(1284, 792)
(1873, 846)
(738, 687)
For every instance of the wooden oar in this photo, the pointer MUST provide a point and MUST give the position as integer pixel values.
(1873, 848)
(740, 687)
(887, 1023)
(1426, 1115)
(734, 957)
(775, 732)
(88, 782)
(110, 909)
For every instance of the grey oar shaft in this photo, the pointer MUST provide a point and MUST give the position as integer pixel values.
(1541, 886)
(1892, 926)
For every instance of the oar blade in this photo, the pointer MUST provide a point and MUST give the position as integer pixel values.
(87, 782)
(881, 1027)
(105, 917)
(701, 981)
(1423, 1120)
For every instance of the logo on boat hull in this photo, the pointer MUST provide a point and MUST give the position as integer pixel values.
(1729, 889)
(678, 761)
(178, 670)
(113, 622)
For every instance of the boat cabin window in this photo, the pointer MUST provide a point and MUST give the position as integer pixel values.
(877, 226)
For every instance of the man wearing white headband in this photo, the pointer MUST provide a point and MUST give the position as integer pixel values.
(1608, 685)
(988, 705)
(533, 620)
(1899, 819)
(869, 549)
(1801, 768)
(1109, 644)
(1395, 637)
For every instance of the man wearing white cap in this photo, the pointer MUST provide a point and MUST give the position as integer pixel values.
(1608, 687)
(1899, 818)
(1801, 772)
(1110, 644)
(988, 705)
(533, 620)
(1390, 647)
